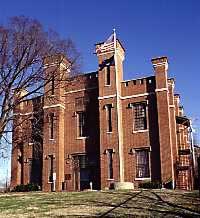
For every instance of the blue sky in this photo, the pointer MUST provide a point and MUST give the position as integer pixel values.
(147, 28)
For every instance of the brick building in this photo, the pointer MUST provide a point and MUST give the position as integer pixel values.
(98, 128)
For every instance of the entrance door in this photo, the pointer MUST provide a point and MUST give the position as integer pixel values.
(76, 179)
(81, 172)
(84, 178)
(76, 173)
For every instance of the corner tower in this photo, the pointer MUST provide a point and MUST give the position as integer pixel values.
(165, 121)
(110, 56)
(56, 72)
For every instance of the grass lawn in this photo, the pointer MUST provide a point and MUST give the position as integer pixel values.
(137, 203)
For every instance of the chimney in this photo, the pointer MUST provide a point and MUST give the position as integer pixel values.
(160, 65)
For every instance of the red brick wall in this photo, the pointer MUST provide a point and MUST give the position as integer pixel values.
(159, 137)
(88, 89)
(160, 67)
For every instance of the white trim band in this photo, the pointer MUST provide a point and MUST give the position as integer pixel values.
(23, 114)
(106, 97)
(136, 96)
(54, 105)
(161, 90)
(126, 97)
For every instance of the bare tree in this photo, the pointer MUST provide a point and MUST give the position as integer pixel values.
(23, 45)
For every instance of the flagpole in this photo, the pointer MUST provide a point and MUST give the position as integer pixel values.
(115, 40)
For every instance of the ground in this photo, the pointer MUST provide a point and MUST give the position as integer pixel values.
(140, 203)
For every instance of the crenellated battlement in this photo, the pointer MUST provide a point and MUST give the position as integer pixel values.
(138, 86)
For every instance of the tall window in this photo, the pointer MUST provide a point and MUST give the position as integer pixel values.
(110, 163)
(53, 84)
(109, 117)
(140, 120)
(79, 102)
(30, 162)
(107, 69)
(51, 125)
(50, 167)
(142, 163)
(81, 124)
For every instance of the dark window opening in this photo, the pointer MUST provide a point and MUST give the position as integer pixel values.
(79, 102)
(110, 163)
(53, 84)
(140, 121)
(30, 162)
(21, 163)
(107, 75)
(50, 174)
(81, 124)
(142, 163)
(51, 117)
(109, 117)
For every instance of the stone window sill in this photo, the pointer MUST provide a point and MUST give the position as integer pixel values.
(140, 131)
(141, 179)
(82, 138)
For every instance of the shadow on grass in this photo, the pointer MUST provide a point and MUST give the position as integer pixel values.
(144, 203)
(147, 202)
(120, 204)
(176, 209)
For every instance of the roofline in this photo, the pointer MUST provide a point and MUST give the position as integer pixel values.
(129, 80)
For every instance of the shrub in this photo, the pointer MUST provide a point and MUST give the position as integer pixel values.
(150, 185)
(26, 188)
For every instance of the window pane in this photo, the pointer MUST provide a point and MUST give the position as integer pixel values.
(83, 161)
(81, 124)
(142, 164)
(140, 117)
